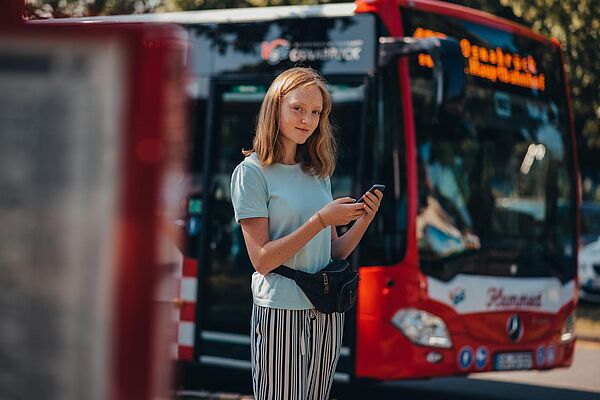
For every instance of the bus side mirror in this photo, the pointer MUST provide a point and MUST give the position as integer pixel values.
(448, 63)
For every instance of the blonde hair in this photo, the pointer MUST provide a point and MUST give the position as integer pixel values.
(317, 155)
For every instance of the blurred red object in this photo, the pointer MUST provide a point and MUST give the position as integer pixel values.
(93, 154)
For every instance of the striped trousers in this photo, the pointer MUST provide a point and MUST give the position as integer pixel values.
(294, 353)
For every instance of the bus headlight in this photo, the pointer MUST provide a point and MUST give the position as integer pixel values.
(567, 333)
(422, 327)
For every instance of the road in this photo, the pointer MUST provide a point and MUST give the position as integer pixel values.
(580, 382)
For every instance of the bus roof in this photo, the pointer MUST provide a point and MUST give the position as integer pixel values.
(256, 14)
(236, 15)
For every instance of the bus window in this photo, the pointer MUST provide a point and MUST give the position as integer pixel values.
(345, 117)
(384, 162)
(371, 159)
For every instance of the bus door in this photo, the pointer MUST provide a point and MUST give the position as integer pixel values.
(224, 266)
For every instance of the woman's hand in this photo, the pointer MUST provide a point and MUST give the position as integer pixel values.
(371, 202)
(341, 211)
(342, 246)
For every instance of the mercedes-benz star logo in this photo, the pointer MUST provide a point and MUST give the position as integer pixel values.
(514, 328)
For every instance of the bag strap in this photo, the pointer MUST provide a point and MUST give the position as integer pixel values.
(285, 271)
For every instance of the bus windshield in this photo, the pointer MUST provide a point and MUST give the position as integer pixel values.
(496, 186)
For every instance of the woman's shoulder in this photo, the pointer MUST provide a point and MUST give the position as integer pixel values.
(250, 162)
(249, 167)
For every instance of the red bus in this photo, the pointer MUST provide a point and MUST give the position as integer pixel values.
(470, 265)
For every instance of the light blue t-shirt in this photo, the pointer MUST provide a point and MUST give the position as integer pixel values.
(288, 197)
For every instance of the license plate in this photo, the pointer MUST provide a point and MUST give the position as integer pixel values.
(512, 361)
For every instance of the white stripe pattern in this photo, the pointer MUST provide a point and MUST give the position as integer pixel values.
(188, 289)
(294, 353)
(186, 333)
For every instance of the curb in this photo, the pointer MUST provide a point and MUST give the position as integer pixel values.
(588, 338)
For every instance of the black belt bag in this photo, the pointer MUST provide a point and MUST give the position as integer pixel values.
(332, 289)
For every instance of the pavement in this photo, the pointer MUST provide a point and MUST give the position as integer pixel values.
(544, 378)
(589, 338)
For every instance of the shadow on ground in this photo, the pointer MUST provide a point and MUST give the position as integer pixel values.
(229, 385)
(457, 389)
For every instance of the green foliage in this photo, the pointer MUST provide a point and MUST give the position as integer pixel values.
(576, 24)
(82, 8)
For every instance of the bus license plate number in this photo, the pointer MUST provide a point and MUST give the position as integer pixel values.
(512, 361)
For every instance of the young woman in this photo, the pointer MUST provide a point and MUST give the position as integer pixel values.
(282, 199)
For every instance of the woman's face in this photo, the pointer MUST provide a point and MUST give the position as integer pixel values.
(299, 114)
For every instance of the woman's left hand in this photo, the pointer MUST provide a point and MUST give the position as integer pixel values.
(371, 204)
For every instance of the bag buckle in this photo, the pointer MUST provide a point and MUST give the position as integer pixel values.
(326, 282)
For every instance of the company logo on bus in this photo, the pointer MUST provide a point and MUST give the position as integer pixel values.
(498, 299)
(495, 65)
(275, 51)
(457, 295)
(514, 328)
(278, 50)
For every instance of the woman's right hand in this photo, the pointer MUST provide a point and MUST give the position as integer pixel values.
(341, 211)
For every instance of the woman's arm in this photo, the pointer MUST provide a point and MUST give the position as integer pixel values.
(266, 254)
(341, 247)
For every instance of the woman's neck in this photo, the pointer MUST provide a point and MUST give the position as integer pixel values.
(289, 157)
(289, 162)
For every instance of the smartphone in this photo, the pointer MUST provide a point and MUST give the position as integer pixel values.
(375, 187)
